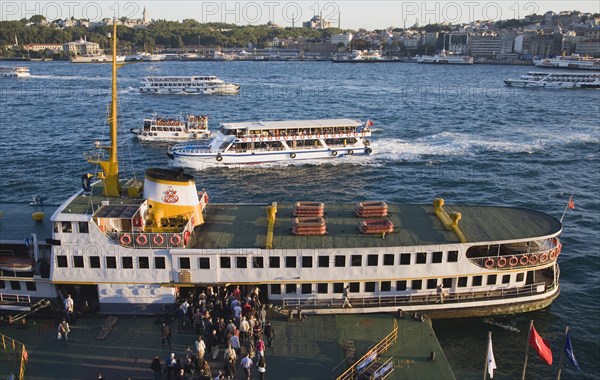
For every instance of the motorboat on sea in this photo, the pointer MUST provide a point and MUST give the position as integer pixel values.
(361, 56)
(278, 141)
(556, 80)
(158, 128)
(444, 58)
(573, 61)
(14, 72)
(207, 85)
(95, 58)
(136, 245)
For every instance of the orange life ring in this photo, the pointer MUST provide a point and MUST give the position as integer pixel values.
(141, 239)
(186, 237)
(553, 254)
(543, 257)
(175, 239)
(158, 239)
(533, 259)
(501, 262)
(489, 263)
(523, 260)
(513, 261)
(125, 239)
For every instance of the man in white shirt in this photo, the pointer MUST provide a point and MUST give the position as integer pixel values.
(69, 308)
(247, 366)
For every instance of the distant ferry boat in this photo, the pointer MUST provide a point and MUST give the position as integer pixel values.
(443, 58)
(14, 72)
(276, 141)
(556, 80)
(573, 61)
(358, 56)
(207, 85)
(159, 128)
(96, 58)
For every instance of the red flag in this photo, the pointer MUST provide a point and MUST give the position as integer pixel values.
(571, 204)
(25, 355)
(540, 346)
(369, 123)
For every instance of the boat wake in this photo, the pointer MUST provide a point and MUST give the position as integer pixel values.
(71, 77)
(491, 321)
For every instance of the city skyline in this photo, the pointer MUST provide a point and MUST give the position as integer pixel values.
(351, 14)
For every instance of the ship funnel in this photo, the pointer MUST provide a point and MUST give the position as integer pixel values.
(171, 194)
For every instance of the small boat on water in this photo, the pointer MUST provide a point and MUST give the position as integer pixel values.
(278, 141)
(95, 58)
(361, 56)
(207, 85)
(573, 61)
(14, 72)
(554, 80)
(159, 128)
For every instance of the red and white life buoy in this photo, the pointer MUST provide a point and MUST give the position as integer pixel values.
(533, 259)
(553, 254)
(523, 260)
(125, 239)
(489, 263)
(543, 257)
(141, 239)
(158, 239)
(175, 240)
(501, 262)
(186, 237)
(513, 261)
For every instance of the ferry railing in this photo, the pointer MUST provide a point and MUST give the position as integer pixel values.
(15, 298)
(518, 259)
(20, 353)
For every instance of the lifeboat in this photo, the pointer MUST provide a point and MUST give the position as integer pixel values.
(16, 263)
(376, 226)
(306, 209)
(309, 226)
(371, 209)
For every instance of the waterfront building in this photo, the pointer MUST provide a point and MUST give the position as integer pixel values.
(82, 47)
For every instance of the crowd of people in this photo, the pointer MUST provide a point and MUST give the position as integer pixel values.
(231, 328)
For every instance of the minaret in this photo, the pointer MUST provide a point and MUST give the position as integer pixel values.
(145, 17)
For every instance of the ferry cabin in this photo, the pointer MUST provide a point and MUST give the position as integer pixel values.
(176, 124)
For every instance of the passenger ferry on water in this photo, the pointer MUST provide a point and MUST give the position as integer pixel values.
(444, 58)
(177, 128)
(131, 246)
(574, 61)
(14, 72)
(556, 80)
(278, 141)
(207, 85)
(95, 58)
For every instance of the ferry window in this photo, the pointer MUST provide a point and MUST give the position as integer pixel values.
(520, 277)
(258, 262)
(290, 261)
(94, 261)
(417, 284)
(372, 260)
(143, 262)
(184, 263)
(67, 227)
(405, 259)
(476, 281)
(306, 288)
(452, 256)
(506, 279)
(356, 260)
(354, 287)
(306, 261)
(436, 257)
(401, 285)
(2, 284)
(338, 287)
(274, 262)
(61, 261)
(30, 285)
(111, 262)
(385, 286)
(204, 262)
(225, 262)
(78, 261)
(15, 285)
(83, 227)
(241, 262)
(462, 282)
(322, 288)
(290, 288)
(127, 262)
(491, 279)
(340, 261)
(275, 288)
(159, 263)
(431, 283)
(421, 257)
(388, 259)
(323, 261)
(370, 287)
(447, 282)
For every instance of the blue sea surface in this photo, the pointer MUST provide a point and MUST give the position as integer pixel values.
(440, 131)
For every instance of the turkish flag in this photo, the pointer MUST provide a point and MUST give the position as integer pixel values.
(540, 346)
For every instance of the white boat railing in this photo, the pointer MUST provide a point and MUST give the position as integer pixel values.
(15, 298)
(518, 259)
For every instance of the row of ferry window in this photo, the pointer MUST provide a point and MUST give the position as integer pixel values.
(226, 262)
(16, 285)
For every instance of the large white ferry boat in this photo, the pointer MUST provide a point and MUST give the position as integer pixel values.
(278, 141)
(444, 58)
(95, 58)
(207, 85)
(574, 61)
(177, 128)
(361, 56)
(14, 72)
(556, 80)
(131, 246)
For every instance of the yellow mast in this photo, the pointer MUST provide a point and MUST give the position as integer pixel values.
(110, 168)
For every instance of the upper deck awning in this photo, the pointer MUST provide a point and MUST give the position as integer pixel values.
(293, 124)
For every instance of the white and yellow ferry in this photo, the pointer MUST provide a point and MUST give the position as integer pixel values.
(205, 85)
(177, 128)
(14, 72)
(129, 246)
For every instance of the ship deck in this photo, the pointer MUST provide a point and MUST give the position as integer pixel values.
(235, 226)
